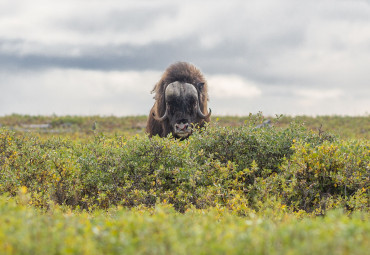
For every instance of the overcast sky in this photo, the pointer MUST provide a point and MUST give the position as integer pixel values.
(104, 57)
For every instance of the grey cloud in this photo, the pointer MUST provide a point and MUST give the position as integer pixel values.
(354, 11)
(118, 20)
(260, 62)
(281, 46)
(227, 57)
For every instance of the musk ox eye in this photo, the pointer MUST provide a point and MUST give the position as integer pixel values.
(200, 86)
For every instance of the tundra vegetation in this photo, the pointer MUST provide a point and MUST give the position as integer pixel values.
(99, 185)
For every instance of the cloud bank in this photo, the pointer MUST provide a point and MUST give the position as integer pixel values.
(92, 57)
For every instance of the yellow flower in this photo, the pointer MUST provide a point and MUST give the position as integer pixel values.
(23, 189)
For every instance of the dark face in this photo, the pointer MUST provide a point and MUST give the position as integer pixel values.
(182, 104)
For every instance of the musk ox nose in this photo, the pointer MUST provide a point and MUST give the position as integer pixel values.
(181, 127)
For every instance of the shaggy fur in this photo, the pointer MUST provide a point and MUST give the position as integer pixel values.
(181, 72)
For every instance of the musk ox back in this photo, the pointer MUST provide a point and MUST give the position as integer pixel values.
(180, 102)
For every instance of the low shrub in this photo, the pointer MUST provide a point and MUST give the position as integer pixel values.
(327, 176)
(267, 146)
(243, 168)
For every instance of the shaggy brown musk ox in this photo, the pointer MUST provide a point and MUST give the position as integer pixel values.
(180, 102)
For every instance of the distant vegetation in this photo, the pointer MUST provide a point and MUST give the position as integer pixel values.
(99, 185)
(79, 126)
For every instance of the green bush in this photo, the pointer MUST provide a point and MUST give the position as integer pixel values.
(244, 169)
(47, 168)
(327, 176)
(267, 146)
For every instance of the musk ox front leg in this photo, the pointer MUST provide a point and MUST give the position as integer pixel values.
(153, 127)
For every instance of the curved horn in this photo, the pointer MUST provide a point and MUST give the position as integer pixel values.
(163, 117)
(202, 115)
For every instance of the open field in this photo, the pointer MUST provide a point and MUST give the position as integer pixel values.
(98, 185)
(344, 126)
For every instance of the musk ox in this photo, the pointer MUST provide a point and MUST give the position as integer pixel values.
(180, 102)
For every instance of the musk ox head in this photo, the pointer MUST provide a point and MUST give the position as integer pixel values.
(180, 102)
(182, 108)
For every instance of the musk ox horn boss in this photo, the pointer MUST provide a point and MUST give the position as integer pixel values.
(180, 102)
